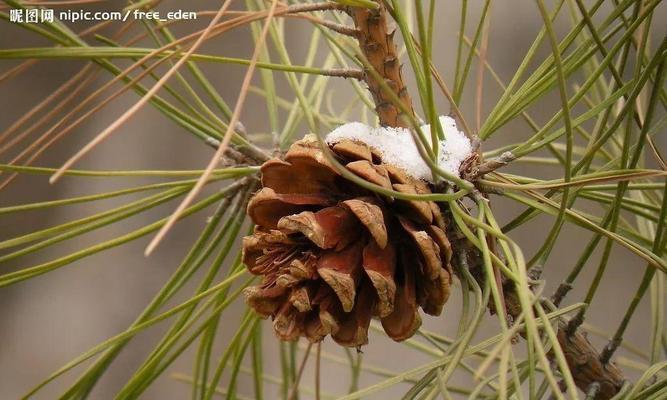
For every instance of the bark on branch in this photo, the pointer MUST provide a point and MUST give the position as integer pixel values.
(376, 40)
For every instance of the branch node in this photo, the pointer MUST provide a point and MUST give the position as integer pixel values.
(563, 289)
(609, 350)
(574, 324)
(494, 163)
(535, 272)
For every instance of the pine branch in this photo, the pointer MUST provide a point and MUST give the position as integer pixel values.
(599, 380)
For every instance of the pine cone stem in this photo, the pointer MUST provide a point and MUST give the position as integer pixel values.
(377, 44)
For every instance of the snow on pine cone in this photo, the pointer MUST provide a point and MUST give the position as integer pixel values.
(332, 254)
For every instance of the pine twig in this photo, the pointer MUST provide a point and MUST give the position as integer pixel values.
(590, 373)
(585, 363)
(377, 44)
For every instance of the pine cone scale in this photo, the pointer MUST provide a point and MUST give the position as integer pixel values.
(267, 206)
(298, 176)
(371, 217)
(340, 270)
(380, 264)
(404, 320)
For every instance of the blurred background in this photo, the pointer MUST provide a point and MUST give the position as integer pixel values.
(47, 321)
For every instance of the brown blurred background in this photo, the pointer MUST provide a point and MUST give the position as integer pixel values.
(47, 321)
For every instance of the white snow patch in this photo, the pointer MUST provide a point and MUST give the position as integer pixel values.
(397, 147)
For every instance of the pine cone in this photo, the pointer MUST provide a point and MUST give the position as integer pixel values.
(332, 254)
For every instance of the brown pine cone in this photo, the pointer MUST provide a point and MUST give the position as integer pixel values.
(332, 254)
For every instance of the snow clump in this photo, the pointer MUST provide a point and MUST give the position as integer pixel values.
(397, 147)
